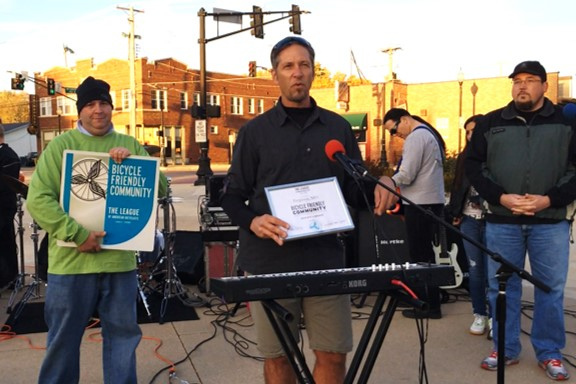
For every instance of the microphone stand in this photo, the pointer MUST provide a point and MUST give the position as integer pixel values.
(506, 270)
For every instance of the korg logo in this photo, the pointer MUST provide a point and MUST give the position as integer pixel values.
(357, 283)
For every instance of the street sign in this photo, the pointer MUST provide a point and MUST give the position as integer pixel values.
(201, 131)
(69, 90)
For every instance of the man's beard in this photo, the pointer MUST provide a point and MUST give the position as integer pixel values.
(525, 106)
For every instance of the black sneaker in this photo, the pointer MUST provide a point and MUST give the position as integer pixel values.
(422, 314)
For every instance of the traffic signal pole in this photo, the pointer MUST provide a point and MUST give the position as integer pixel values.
(201, 129)
(204, 171)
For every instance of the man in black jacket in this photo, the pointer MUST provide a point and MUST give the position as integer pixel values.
(9, 167)
(522, 161)
(286, 145)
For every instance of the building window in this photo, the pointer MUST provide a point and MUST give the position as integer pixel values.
(235, 105)
(197, 98)
(46, 106)
(183, 100)
(260, 106)
(125, 99)
(213, 129)
(212, 99)
(251, 106)
(159, 99)
(65, 106)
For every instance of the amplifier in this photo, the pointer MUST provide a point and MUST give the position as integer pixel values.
(215, 217)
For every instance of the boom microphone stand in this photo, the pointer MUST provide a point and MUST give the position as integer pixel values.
(358, 172)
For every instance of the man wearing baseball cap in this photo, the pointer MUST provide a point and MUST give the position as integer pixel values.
(86, 278)
(521, 160)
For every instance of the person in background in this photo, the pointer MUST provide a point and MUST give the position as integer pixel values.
(522, 161)
(86, 278)
(285, 145)
(467, 211)
(9, 167)
(420, 177)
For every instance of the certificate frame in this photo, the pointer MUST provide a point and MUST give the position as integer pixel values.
(312, 208)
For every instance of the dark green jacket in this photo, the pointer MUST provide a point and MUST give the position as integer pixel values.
(508, 154)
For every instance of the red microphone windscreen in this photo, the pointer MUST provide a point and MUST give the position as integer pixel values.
(333, 147)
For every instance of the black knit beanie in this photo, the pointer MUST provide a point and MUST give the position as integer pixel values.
(92, 89)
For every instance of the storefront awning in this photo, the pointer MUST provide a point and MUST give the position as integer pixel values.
(358, 121)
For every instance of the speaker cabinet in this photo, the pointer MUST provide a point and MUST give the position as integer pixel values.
(387, 233)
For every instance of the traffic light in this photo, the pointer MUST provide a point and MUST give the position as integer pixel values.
(51, 86)
(197, 111)
(252, 69)
(295, 20)
(17, 82)
(257, 22)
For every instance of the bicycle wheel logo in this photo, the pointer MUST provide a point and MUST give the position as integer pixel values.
(89, 179)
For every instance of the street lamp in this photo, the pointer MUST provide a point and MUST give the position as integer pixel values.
(460, 79)
(474, 90)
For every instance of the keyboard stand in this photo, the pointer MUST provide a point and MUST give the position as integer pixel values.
(279, 318)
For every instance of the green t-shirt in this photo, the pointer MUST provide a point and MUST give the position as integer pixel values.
(42, 203)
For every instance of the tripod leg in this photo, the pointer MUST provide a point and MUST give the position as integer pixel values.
(140, 285)
(144, 301)
(235, 309)
(27, 295)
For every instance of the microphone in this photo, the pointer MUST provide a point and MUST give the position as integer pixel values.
(569, 111)
(335, 152)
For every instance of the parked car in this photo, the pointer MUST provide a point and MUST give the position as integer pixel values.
(29, 160)
(153, 150)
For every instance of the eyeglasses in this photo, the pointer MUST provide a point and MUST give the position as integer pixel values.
(394, 129)
(530, 81)
(289, 41)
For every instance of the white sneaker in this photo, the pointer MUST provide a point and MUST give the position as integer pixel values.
(490, 329)
(478, 327)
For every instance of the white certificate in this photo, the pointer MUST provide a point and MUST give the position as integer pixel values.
(312, 208)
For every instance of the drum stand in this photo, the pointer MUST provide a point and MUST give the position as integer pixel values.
(141, 287)
(171, 286)
(21, 278)
(33, 291)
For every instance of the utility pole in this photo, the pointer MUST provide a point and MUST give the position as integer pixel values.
(390, 52)
(131, 63)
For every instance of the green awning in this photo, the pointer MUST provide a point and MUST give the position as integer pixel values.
(358, 121)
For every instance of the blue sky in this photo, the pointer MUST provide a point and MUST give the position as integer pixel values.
(437, 38)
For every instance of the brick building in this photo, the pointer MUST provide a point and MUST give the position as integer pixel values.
(438, 103)
(166, 90)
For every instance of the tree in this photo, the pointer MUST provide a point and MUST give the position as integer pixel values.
(14, 107)
(322, 77)
(325, 79)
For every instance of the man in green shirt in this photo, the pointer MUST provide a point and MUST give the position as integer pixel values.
(86, 278)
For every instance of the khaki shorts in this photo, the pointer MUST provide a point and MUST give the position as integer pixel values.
(328, 321)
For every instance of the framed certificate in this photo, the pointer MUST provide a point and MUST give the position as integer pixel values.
(312, 208)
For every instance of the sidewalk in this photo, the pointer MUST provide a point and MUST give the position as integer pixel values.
(213, 356)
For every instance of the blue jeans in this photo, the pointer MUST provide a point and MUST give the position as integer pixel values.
(70, 303)
(547, 246)
(477, 263)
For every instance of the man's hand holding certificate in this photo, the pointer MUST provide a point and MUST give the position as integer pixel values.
(310, 208)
